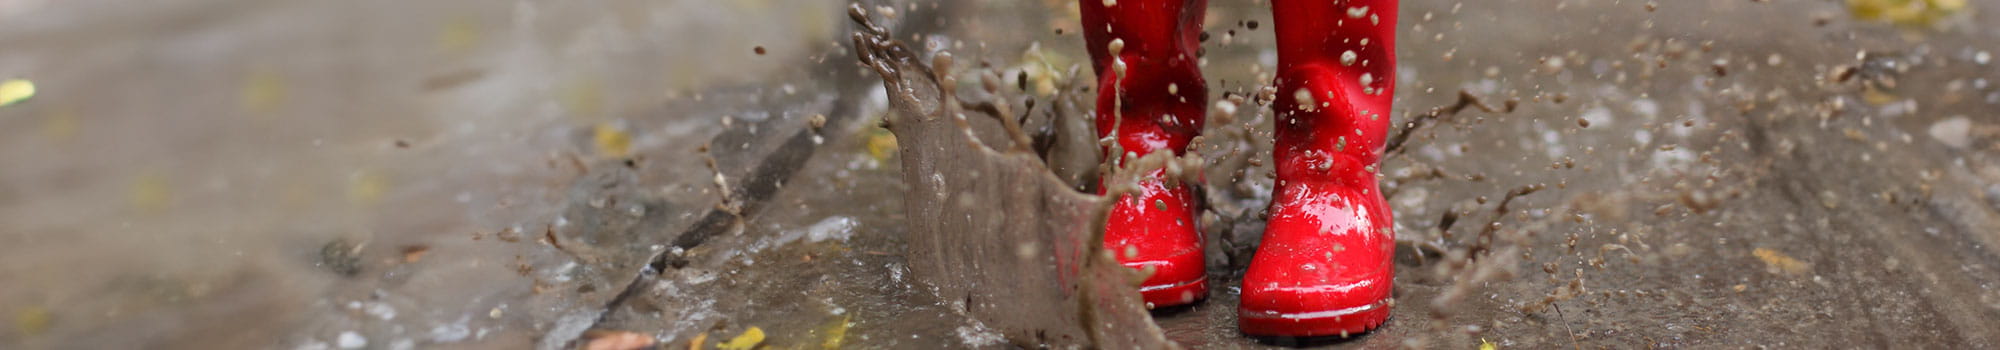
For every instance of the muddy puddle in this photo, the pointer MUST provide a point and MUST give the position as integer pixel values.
(732, 174)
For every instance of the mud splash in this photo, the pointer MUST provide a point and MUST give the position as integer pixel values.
(996, 233)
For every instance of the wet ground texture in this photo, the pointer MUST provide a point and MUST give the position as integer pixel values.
(529, 174)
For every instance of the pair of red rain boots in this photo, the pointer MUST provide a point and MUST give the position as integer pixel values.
(1325, 265)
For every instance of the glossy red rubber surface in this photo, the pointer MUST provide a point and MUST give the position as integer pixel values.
(1155, 104)
(1325, 266)
(1154, 232)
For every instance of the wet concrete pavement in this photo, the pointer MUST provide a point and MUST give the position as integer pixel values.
(478, 175)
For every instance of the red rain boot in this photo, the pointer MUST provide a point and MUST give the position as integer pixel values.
(1325, 265)
(1162, 106)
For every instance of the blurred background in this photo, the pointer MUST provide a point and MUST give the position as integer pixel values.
(521, 174)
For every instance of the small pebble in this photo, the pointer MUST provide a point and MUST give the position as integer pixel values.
(351, 340)
(1954, 132)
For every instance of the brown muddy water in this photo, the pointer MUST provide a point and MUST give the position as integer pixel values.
(543, 174)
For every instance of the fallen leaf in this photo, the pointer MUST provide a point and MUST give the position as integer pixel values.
(746, 341)
(33, 321)
(1781, 262)
(1906, 12)
(616, 340)
(881, 144)
(367, 187)
(458, 35)
(151, 192)
(698, 340)
(16, 90)
(611, 141)
(414, 253)
(835, 333)
(263, 92)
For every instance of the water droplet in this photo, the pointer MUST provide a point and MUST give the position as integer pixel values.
(1304, 97)
(1224, 107)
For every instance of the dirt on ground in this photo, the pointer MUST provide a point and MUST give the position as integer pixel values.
(734, 174)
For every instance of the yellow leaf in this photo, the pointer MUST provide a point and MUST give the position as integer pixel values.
(1906, 12)
(746, 341)
(16, 90)
(1876, 97)
(458, 35)
(33, 321)
(1781, 262)
(836, 333)
(1486, 345)
(367, 187)
(1948, 5)
(151, 192)
(611, 141)
(263, 91)
(881, 144)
